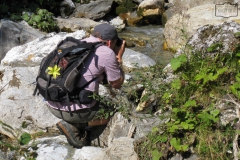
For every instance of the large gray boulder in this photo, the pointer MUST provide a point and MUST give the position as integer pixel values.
(14, 34)
(225, 34)
(93, 10)
(19, 69)
(18, 72)
(183, 25)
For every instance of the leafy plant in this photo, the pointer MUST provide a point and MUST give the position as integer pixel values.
(191, 97)
(42, 20)
(25, 138)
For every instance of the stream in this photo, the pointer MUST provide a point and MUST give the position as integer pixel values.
(147, 40)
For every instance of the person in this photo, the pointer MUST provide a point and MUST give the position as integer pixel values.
(107, 59)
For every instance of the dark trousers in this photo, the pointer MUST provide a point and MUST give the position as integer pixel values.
(82, 116)
(79, 116)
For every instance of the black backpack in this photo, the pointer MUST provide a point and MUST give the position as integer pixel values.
(59, 71)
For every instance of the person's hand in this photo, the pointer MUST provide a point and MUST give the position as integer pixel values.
(119, 50)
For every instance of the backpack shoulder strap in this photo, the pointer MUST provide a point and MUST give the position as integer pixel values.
(93, 45)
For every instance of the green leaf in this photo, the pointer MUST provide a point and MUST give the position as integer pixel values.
(24, 124)
(184, 147)
(190, 103)
(156, 155)
(173, 128)
(176, 143)
(238, 77)
(176, 84)
(177, 62)
(25, 17)
(155, 129)
(186, 125)
(184, 76)
(238, 54)
(36, 18)
(215, 112)
(25, 138)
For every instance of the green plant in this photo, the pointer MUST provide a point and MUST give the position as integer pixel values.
(125, 6)
(191, 100)
(25, 138)
(42, 20)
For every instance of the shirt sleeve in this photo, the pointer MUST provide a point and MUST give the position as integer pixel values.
(111, 65)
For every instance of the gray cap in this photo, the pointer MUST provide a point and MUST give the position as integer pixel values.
(105, 32)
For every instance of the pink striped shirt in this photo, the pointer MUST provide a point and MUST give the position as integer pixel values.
(103, 60)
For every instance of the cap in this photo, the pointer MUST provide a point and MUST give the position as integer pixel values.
(105, 32)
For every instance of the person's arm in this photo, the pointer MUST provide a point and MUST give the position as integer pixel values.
(119, 50)
(118, 83)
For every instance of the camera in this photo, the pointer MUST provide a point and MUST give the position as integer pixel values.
(119, 42)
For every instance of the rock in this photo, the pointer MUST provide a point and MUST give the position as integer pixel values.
(152, 4)
(132, 19)
(133, 59)
(118, 23)
(208, 35)
(14, 34)
(181, 27)
(90, 153)
(122, 149)
(18, 72)
(66, 8)
(151, 11)
(75, 24)
(18, 105)
(194, 3)
(57, 148)
(20, 69)
(31, 54)
(94, 10)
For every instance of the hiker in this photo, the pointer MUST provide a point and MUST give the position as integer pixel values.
(107, 59)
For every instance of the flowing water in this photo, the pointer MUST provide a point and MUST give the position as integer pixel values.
(147, 40)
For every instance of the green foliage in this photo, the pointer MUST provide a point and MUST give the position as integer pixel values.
(42, 20)
(177, 62)
(192, 97)
(25, 138)
(125, 6)
(156, 154)
(177, 144)
(13, 9)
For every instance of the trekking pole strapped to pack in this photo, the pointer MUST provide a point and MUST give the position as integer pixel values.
(59, 71)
